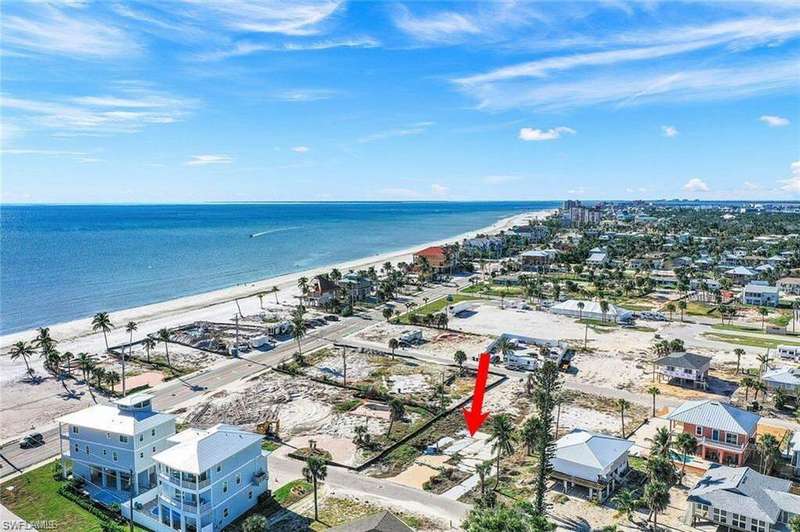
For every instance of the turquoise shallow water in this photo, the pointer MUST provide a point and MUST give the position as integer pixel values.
(63, 262)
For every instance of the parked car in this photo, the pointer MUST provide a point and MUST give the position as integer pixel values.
(332, 317)
(31, 440)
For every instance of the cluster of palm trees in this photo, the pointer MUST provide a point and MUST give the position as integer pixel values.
(536, 434)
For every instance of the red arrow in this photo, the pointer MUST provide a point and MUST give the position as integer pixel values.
(475, 417)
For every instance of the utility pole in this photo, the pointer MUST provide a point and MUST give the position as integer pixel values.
(236, 345)
(130, 497)
(344, 365)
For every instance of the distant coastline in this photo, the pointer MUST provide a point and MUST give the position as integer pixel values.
(292, 244)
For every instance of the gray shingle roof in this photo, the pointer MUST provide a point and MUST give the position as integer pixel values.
(377, 522)
(716, 415)
(745, 492)
(684, 360)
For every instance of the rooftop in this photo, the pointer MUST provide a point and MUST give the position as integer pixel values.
(198, 450)
(115, 420)
(432, 251)
(684, 360)
(721, 416)
(377, 522)
(590, 449)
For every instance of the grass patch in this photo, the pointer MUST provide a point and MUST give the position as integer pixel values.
(335, 511)
(35, 497)
(436, 306)
(346, 405)
(269, 445)
(731, 327)
(292, 492)
(749, 341)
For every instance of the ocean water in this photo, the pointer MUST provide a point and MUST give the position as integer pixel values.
(64, 262)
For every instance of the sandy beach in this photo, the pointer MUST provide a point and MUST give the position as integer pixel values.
(26, 407)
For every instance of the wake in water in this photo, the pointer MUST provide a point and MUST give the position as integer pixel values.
(262, 233)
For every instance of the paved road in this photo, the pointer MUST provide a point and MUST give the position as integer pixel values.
(284, 470)
(172, 394)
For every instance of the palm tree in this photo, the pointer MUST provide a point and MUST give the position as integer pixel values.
(623, 404)
(360, 434)
(275, 291)
(686, 444)
(299, 327)
(654, 391)
(581, 305)
(102, 322)
(661, 442)
(530, 433)
(503, 438)
(769, 448)
(43, 340)
(302, 284)
(315, 471)
(627, 502)
(670, 307)
(24, 351)
(748, 382)
(393, 345)
(67, 359)
(682, 305)
(739, 352)
(483, 469)
(604, 308)
(759, 386)
(112, 379)
(52, 360)
(397, 411)
(149, 344)
(387, 313)
(763, 360)
(130, 327)
(85, 362)
(764, 313)
(460, 357)
(656, 497)
(163, 335)
(504, 346)
(100, 375)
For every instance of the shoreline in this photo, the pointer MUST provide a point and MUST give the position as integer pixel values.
(81, 327)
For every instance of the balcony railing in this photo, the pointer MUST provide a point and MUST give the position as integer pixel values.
(188, 484)
(187, 505)
(721, 444)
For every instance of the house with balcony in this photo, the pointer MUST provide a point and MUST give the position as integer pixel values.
(790, 285)
(206, 479)
(111, 447)
(739, 498)
(761, 295)
(535, 260)
(740, 275)
(684, 367)
(434, 258)
(725, 434)
(597, 462)
(355, 286)
(321, 291)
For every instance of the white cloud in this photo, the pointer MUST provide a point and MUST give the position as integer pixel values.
(500, 179)
(438, 27)
(750, 186)
(133, 109)
(294, 17)
(531, 134)
(300, 149)
(792, 184)
(774, 121)
(246, 48)
(202, 160)
(695, 185)
(669, 131)
(439, 190)
(35, 151)
(303, 95)
(414, 129)
(629, 88)
(64, 30)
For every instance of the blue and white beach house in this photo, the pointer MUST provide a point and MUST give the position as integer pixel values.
(194, 480)
(112, 447)
(206, 479)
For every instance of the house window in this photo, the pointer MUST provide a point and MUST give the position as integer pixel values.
(250, 494)
(114, 456)
(225, 512)
(698, 430)
(238, 478)
(87, 449)
(702, 509)
(153, 432)
(141, 454)
(141, 437)
(105, 452)
(720, 516)
(108, 435)
(739, 521)
(219, 468)
(74, 429)
(77, 448)
(731, 438)
(758, 526)
(123, 439)
(154, 448)
(225, 487)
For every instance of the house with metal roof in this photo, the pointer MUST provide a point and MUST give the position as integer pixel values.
(794, 451)
(684, 367)
(784, 378)
(725, 434)
(592, 460)
(740, 498)
(377, 522)
(761, 295)
(592, 310)
(207, 479)
(597, 259)
(740, 274)
(111, 447)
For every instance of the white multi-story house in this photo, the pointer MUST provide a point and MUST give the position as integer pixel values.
(761, 295)
(790, 285)
(112, 447)
(207, 479)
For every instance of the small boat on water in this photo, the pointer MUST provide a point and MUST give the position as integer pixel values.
(254, 235)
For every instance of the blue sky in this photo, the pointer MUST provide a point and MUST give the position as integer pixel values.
(192, 101)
